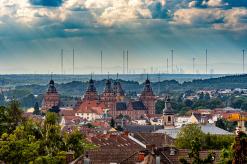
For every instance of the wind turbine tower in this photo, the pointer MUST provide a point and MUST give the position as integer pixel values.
(172, 60)
(243, 61)
(101, 62)
(194, 65)
(123, 62)
(73, 61)
(61, 61)
(206, 61)
(127, 62)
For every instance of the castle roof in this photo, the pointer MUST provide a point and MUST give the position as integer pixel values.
(108, 88)
(138, 105)
(117, 88)
(91, 86)
(121, 106)
(52, 88)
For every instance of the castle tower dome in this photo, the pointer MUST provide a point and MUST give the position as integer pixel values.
(52, 87)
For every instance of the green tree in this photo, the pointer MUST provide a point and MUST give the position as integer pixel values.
(76, 142)
(36, 109)
(159, 106)
(240, 149)
(194, 154)
(35, 142)
(188, 103)
(10, 117)
(112, 123)
(226, 125)
(244, 106)
(206, 97)
(2, 99)
(187, 134)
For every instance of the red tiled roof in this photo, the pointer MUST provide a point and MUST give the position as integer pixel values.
(91, 106)
(100, 124)
(67, 112)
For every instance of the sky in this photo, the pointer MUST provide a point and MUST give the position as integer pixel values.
(33, 32)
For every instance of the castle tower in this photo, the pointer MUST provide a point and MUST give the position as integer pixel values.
(91, 93)
(51, 97)
(148, 97)
(108, 96)
(168, 114)
(118, 91)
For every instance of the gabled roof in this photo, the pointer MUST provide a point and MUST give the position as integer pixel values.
(67, 112)
(157, 139)
(198, 116)
(142, 128)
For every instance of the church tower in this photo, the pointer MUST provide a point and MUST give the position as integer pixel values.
(51, 97)
(148, 97)
(108, 97)
(168, 114)
(91, 93)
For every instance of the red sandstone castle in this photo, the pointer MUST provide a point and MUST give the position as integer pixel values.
(112, 99)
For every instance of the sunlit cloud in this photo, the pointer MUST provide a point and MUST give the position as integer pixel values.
(35, 28)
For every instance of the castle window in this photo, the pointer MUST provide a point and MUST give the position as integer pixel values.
(169, 118)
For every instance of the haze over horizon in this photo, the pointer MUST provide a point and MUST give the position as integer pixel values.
(33, 32)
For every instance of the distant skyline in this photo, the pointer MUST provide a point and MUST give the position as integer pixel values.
(33, 32)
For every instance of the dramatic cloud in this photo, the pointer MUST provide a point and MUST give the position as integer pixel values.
(70, 17)
(196, 16)
(212, 3)
(49, 3)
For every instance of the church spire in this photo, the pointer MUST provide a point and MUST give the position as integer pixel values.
(168, 114)
(168, 106)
